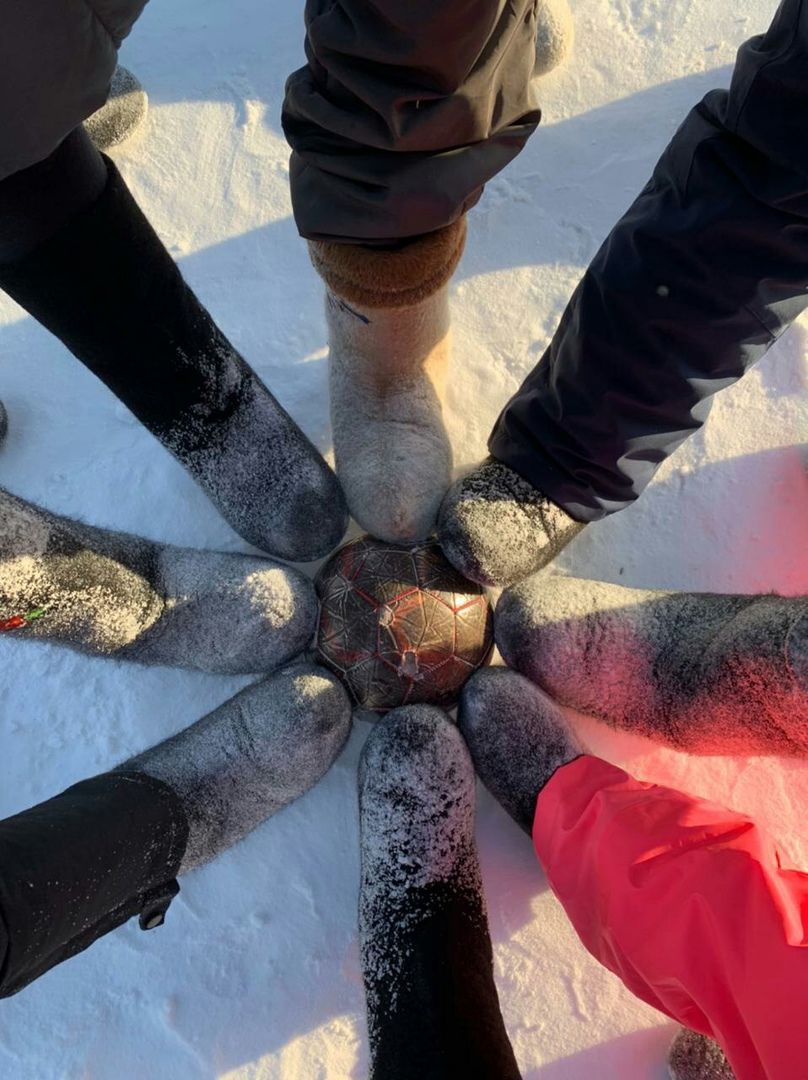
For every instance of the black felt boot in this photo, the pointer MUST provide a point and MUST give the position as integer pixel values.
(107, 287)
(77, 866)
(517, 738)
(433, 1011)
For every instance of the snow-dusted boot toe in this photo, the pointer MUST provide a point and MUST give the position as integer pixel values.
(107, 287)
(555, 32)
(517, 738)
(695, 1057)
(81, 864)
(113, 594)
(702, 672)
(433, 1010)
(495, 528)
(389, 345)
(122, 114)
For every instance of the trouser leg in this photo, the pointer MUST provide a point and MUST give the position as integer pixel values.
(688, 903)
(404, 111)
(693, 285)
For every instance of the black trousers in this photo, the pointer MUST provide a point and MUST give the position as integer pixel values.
(691, 287)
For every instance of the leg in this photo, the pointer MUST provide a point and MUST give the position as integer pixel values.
(389, 338)
(77, 253)
(393, 136)
(106, 286)
(701, 672)
(433, 1010)
(692, 286)
(113, 594)
(685, 901)
(81, 864)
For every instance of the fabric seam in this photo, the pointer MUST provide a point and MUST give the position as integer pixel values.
(113, 39)
(772, 60)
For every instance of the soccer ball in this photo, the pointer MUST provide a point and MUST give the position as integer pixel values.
(399, 624)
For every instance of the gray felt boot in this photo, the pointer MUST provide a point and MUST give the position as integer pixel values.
(554, 35)
(113, 594)
(122, 114)
(695, 1057)
(252, 756)
(81, 864)
(389, 339)
(495, 528)
(701, 672)
(517, 738)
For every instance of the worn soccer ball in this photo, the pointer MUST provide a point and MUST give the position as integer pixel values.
(400, 625)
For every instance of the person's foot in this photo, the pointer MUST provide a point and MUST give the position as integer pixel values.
(517, 738)
(555, 33)
(695, 1057)
(122, 114)
(426, 954)
(495, 528)
(3, 423)
(701, 672)
(389, 347)
(113, 594)
(109, 848)
(107, 287)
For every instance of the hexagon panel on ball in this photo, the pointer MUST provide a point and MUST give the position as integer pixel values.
(400, 625)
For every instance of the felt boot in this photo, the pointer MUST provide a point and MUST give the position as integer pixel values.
(517, 738)
(701, 672)
(496, 529)
(554, 36)
(79, 865)
(106, 286)
(113, 594)
(389, 341)
(695, 1057)
(123, 112)
(433, 1010)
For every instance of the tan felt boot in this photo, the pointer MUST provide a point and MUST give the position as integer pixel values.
(389, 338)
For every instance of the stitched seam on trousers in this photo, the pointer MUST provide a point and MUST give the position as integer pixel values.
(112, 37)
(506, 51)
(759, 318)
(773, 60)
(172, 801)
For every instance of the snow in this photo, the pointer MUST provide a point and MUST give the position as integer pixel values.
(256, 973)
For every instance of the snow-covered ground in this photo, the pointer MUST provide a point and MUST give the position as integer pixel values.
(256, 974)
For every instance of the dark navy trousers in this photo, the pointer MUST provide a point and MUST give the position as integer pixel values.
(692, 286)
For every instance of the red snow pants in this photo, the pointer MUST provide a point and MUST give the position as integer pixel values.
(689, 905)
